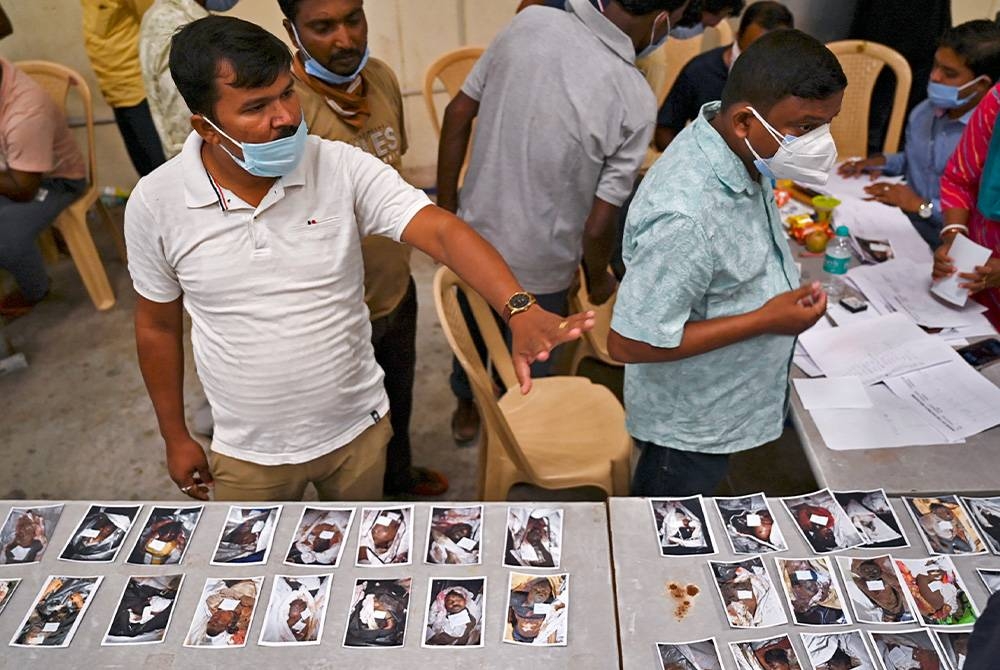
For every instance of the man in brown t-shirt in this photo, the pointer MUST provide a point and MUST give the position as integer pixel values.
(348, 97)
(41, 173)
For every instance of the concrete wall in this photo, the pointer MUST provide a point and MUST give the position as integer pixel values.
(408, 34)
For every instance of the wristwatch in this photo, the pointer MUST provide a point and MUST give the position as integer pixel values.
(517, 303)
(926, 209)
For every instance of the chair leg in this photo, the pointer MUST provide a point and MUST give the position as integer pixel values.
(117, 232)
(73, 226)
(47, 245)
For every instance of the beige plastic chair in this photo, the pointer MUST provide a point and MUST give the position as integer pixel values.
(594, 343)
(566, 433)
(862, 62)
(58, 80)
(451, 69)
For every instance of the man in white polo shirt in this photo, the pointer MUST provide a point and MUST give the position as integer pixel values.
(255, 229)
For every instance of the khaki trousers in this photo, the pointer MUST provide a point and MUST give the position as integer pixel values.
(353, 472)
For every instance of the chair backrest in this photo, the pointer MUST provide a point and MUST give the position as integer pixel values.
(665, 64)
(450, 69)
(447, 286)
(862, 62)
(58, 80)
(597, 337)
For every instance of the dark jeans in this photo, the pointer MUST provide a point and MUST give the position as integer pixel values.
(557, 303)
(20, 224)
(394, 338)
(662, 471)
(141, 139)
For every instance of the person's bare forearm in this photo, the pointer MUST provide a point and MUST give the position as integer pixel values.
(599, 238)
(456, 131)
(955, 217)
(161, 360)
(699, 337)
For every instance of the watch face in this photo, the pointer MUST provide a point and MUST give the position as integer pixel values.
(519, 301)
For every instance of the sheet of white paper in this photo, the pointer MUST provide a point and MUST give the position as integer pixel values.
(875, 221)
(853, 187)
(844, 317)
(978, 326)
(807, 365)
(965, 255)
(875, 349)
(832, 393)
(959, 401)
(906, 287)
(892, 422)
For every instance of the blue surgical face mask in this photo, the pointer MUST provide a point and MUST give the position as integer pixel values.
(654, 43)
(269, 159)
(220, 5)
(943, 96)
(687, 32)
(314, 69)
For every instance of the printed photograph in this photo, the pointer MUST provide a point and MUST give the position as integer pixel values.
(534, 537)
(26, 533)
(823, 522)
(936, 591)
(681, 526)
(838, 651)
(57, 612)
(749, 597)
(144, 611)
(7, 588)
(385, 536)
(873, 517)
(750, 525)
(954, 647)
(320, 537)
(224, 613)
(165, 537)
(537, 610)
(991, 579)
(811, 592)
(454, 535)
(100, 534)
(944, 525)
(377, 616)
(455, 610)
(700, 655)
(873, 586)
(907, 650)
(246, 536)
(296, 611)
(985, 514)
(775, 653)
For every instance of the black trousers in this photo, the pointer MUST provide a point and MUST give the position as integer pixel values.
(662, 471)
(141, 139)
(394, 338)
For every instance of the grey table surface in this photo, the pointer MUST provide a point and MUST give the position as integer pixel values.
(592, 638)
(972, 468)
(646, 609)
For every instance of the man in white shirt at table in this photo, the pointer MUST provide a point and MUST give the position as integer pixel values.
(255, 229)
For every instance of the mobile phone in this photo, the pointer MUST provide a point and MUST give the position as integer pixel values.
(853, 305)
(981, 354)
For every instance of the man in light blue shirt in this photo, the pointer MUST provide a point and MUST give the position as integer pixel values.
(966, 64)
(710, 305)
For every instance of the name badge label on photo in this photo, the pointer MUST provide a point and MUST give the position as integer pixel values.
(875, 585)
(753, 520)
(467, 544)
(744, 595)
(89, 533)
(935, 586)
(50, 627)
(326, 535)
(157, 545)
(228, 605)
(462, 618)
(819, 520)
(803, 575)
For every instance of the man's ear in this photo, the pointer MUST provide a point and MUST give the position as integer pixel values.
(209, 134)
(291, 33)
(739, 117)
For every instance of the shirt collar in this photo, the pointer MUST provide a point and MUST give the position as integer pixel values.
(603, 29)
(199, 187)
(725, 163)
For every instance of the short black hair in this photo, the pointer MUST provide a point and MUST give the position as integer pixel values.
(692, 14)
(977, 43)
(772, 655)
(642, 7)
(199, 50)
(290, 8)
(780, 64)
(768, 15)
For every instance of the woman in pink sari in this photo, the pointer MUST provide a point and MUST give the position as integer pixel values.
(960, 186)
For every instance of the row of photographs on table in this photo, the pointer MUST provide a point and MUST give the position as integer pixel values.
(829, 521)
(915, 649)
(385, 536)
(536, 615)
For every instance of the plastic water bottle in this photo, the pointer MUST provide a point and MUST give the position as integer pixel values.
(838, 258)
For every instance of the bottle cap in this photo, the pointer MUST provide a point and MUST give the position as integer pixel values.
(842, 231)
